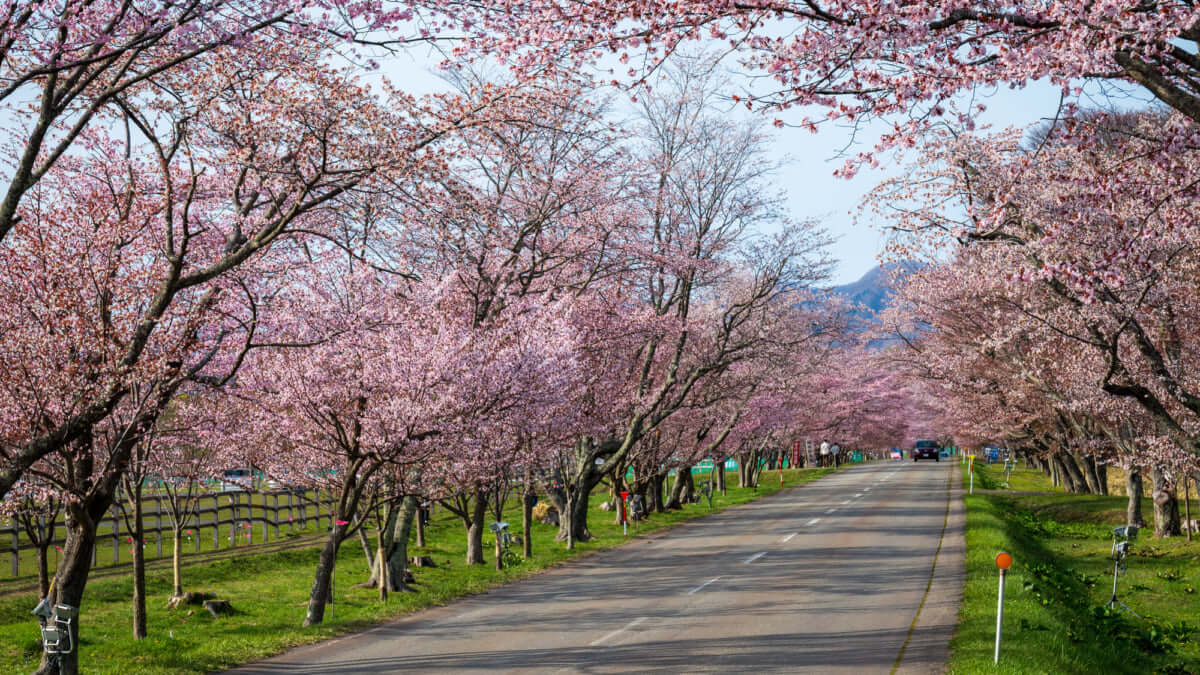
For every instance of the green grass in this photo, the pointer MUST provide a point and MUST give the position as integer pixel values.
(1054, 621)
(270, 592)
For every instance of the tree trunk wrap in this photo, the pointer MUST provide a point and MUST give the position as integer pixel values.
(176, 562)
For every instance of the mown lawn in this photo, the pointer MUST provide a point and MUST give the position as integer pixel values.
(270, 593)
(1054, 620)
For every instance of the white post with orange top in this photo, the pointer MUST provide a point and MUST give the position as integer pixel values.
(1003, 561)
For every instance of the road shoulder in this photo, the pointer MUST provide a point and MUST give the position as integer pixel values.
(929, 646)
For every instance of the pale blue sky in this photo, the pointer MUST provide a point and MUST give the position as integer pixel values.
(807, 178)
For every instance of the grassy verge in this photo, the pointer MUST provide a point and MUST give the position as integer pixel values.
(270, 592)
(1054, 616)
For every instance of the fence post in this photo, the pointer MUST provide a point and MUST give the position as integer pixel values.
(116, 539)
(216, 523)
(330, 511)
(275, 515)
(158, 522)
(16, 552)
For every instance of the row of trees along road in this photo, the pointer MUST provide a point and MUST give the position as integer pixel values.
(217, 238)
(1062, 318)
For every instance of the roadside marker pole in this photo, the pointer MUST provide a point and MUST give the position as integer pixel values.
(971, 470)
(624, 519)
(1003, 561)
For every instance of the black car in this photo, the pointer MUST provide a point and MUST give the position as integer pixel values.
(926, 450)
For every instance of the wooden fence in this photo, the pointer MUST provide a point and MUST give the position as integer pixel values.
(229, 518)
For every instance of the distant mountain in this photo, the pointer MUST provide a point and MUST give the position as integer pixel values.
(873, 291)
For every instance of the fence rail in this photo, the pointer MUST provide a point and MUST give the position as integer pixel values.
(230, 519)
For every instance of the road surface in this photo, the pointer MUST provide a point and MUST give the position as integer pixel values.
(836, 576)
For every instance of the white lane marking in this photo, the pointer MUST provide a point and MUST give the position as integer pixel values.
(701, 586)
(754, 557)
(789, 537)
(867, 489)
(830, 510)
(858, 495)
(814, 521)
(618, 631)
(845, 502)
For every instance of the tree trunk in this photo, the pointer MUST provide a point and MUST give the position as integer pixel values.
(139, 567)
(43, 568)
(1133, 512)
(743, 477)
(383, 545)
(1091, 475)
(1075, 480)
(1166, 506)
(656, 492)
(368, 554)
(322, 588)
(674, 501)
(398, 560)
(381, 563)
(71, 577)
(527, 521)
(719, 467)
(572, 503)
(475, 528)
(1187, 509)
(421, 525)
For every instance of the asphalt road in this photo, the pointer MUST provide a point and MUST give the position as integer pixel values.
(836, 576)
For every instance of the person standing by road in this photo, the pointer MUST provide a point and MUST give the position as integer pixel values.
(833, 451)
(824, 453)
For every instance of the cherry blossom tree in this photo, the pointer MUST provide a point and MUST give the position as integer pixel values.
(858, 60)
(398, 393)
(69, 67)
(1079, 245)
